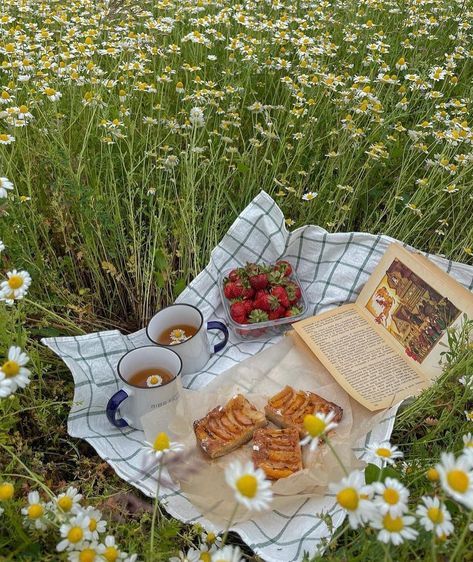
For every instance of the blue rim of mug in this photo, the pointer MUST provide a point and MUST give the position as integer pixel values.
(148, 387)
(180, 343)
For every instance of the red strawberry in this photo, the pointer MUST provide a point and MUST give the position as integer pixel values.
(242, 289)
(293, 311)
(235, 274)
(238, 312)
(293, 292)
(249, 306)
(284, 266)
(262, 301)
(279, 312)
(281, 294)
(259, 281)
(229, 290)
(258, 315)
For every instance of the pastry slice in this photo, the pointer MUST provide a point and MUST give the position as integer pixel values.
(225, 428)
(277, 452)
(289, 407)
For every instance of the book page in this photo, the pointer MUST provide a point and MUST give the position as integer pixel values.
(415, 303)
(359, 358)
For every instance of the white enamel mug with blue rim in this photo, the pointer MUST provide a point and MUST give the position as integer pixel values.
(131, 402)
(194, 352)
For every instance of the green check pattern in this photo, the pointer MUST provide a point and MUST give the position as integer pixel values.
(332, 269)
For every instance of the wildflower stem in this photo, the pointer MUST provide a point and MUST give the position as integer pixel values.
(155, 510)
(230, 521)
(461, 540)
(434, 548)
(335, 454)
(387, 555)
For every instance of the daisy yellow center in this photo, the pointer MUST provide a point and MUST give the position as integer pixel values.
(75, 535)
(177, 333)
(432, 474)
(15, 282)
(4, 137)
(458, 480)
(23, 109)
(92, 524)
(314, 425)
(348, 498)
(49, 91)
(383, 452)
(391, 496)
(110, 554)
(154, 379)
(393, 524)
(435, 515)
(35, 511)
(65, 503)
(87, 555)
(211, 537)
(161, 443)
(247, 485)
(6, 491)
(205, 557)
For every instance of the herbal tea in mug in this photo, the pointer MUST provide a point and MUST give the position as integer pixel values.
(151, 377)
(177, 334)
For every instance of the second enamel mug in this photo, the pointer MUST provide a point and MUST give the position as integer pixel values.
(193, 348)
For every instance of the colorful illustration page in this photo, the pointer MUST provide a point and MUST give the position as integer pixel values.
(414, 303)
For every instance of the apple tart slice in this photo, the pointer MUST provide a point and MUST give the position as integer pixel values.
(289, 407)
(225, 428)
(277, 452)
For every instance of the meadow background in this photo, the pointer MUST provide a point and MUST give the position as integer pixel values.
(135, 132)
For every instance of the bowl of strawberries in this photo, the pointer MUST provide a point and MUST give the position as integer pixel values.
(262, 299)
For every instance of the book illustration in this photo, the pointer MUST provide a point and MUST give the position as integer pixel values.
(411, 310)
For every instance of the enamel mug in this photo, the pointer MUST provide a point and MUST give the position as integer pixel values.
(194, 352)
(131, 402)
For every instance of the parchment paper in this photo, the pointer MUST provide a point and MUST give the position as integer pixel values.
(289, 362)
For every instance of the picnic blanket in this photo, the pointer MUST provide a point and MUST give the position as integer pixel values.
(332, 269)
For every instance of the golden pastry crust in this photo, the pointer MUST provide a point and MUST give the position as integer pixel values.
(277, 452)
(289, 407)
(225, 428)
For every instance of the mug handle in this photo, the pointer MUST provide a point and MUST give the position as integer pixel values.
(216, 325)
(112, 407)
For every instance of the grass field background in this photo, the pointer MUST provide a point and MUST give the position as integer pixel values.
(134, 133)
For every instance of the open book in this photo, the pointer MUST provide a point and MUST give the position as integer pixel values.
(386, 346)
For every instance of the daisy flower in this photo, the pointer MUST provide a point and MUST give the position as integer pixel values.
(97, 525)
(162, 445)
(5, 184)
(74, 532)
(309, 196)
(13, 373)
(196, 117)
(5, 138)
(383, 451)
(469, 415)
(211, 538)
(35, 511)
(6, 493)
(394, 530)
(16, 285)
(228, 554)
(250, 485)
(456, 478)
(109, 551)
(68, 500)
(468, 441)
(434, 516)
(88, 552)
(316, 426)
(353, 495)
(391, 497)
(2, 246)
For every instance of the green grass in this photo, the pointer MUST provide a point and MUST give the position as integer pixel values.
(110, 232)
